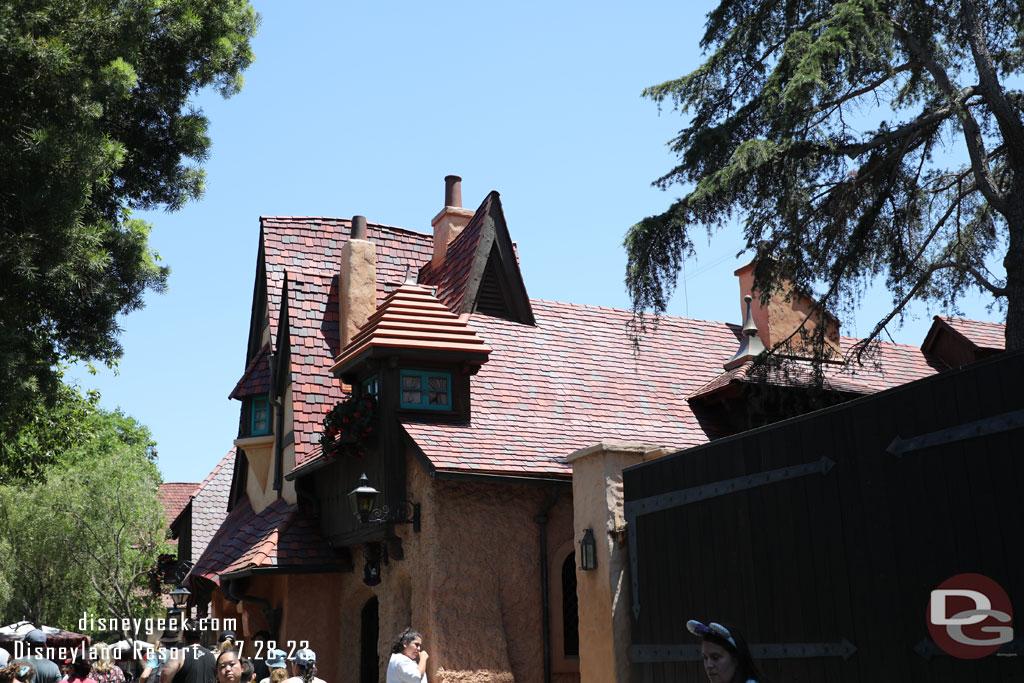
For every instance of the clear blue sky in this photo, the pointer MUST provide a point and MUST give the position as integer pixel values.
(363, 108)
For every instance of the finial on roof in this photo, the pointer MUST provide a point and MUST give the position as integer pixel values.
(410, 279)
(751, 345)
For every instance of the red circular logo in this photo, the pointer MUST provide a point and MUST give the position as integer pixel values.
(969, 616)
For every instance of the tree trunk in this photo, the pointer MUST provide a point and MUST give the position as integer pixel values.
(1014, 264)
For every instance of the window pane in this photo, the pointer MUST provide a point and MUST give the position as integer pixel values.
(438, 398)
(412, 397)
(439, 383)
(411, 381)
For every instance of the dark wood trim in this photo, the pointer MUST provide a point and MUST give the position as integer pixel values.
(280, 571)
(496, 241)
(447, 475)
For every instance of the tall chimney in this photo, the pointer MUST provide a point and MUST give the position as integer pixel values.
(357, 282)
(779, 319)
(450, 221)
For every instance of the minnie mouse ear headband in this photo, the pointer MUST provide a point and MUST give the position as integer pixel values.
(700, 630)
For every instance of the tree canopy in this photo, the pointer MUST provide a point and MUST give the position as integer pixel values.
(95, 122)
(82, 536)
(854, 140)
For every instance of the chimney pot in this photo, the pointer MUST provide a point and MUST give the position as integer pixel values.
(453, 191)
(358, 227)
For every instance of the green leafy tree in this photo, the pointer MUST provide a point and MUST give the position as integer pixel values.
(95, 121)
(854, 140)
(84, 537)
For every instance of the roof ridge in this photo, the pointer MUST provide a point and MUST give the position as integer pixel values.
(215, 470)
(626, 310)
(347, 221)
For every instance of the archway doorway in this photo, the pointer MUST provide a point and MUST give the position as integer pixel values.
(368, 633)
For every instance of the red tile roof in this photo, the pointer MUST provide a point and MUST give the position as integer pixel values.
(281, 536)
(256, 378)
(984, 335)
(849, 379)
(573, 380)
(210, 504)
(174, 496)
(412, 317)
(547, 390)
(452, 278)
(309, 251)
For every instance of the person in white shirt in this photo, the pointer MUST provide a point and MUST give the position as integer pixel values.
(408, 659)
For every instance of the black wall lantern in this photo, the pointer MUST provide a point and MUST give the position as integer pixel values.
(363, 497)
(588, 551)
(180, 596)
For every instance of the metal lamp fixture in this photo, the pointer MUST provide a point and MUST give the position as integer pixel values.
(588, 551)
(363, 497)
(180, 596)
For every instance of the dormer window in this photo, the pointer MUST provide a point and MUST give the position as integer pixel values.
(423, 390)
(260, 416)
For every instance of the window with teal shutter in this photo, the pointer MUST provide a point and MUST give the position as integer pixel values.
(426, 390)
(370, 386)
(260, 416)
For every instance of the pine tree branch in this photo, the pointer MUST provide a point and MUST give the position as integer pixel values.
(972, 131)
(853, 94)
(969, 269)
(1006, 115)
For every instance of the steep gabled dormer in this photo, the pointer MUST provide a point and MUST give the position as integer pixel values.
(414, 355)
(475, 269)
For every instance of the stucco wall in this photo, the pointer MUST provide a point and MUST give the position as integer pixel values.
(604, 593)
(473, 579)
(470, 581)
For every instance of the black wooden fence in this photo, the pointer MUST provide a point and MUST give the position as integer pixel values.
(822, 537)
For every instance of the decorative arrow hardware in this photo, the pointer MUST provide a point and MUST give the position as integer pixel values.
(691, 653)
(970, 430)
(667, 501)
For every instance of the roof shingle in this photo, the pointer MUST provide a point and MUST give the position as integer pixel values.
(309, 251)
(573, 380)
(982, 334)
(174, 496)
(281, 536)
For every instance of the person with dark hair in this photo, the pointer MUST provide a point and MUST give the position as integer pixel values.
(247, 671)
(408, 662)
(260, 655)
(80, 671)
(726, 656)
(304, 667)
(192, 663)
(229, 666)
(18, 672)
(46, 671)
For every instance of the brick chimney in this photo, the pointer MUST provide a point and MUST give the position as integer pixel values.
(450, 221)
(357, 282)
(778, 319)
